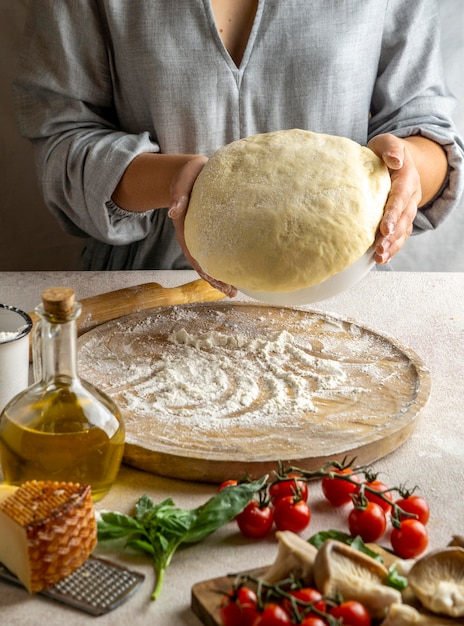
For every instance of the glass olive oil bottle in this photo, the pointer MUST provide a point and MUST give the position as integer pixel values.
(61, 427)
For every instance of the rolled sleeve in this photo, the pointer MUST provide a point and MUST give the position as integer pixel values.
(79, 195)
(410, 97)
(434, 212)
(65, 107)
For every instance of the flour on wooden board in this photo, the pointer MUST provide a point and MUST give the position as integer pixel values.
(227, 377)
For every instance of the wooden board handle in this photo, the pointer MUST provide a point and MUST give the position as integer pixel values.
(113, 304)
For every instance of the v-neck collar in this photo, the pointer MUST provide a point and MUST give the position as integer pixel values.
(220, 44)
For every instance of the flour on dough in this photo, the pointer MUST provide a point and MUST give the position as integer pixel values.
(285, 210)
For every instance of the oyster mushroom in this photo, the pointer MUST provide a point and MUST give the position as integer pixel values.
(437, 579)
(339, 568)
(295, 556)
(404, 615)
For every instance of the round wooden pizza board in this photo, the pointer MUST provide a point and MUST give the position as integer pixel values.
(210, 391)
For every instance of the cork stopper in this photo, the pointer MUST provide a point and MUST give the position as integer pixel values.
(58, 301)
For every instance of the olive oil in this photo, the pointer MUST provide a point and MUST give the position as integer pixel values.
(62, 427)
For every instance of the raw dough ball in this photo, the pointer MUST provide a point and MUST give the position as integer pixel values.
(285, 210)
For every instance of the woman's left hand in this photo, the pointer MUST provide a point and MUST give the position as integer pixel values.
(181, 188)
(404, 198)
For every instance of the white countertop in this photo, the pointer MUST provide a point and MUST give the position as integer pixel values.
(423, 311)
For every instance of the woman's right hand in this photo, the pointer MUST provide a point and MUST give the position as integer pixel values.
(181, 188)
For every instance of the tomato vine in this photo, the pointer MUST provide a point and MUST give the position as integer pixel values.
(284, 502)
(286, 602)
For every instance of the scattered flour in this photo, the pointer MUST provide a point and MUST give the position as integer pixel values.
(230, 375)
(223, 380)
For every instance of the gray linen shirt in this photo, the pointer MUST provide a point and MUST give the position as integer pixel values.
(102, 81)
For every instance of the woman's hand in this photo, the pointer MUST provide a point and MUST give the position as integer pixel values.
(181, 189)
(404, 198)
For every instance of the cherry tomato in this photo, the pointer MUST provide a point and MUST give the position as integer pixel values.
(291, 486)
(417, 505)
(410, 539)
(378, 485)
(227, 483)
(238, 607)
(272, 615)
(291, 513)
(338, 491)
(255, 520)
(369, 523)
(352, 613)
(306, 595)
(313, 620)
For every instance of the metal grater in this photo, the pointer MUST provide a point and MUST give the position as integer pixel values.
(96, 587)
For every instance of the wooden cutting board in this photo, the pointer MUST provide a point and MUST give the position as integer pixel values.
(206, 595)
(210, 391)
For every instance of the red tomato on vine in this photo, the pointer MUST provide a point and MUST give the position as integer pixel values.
(369, 522)
(272, 615)
(307, 595)
(292, 485)
(291, 513)
(239, 607)
(255, 520)
(337, 490)
(313, 620)
(352, 613)
(416, 505)
(381, 487)
(410, 539)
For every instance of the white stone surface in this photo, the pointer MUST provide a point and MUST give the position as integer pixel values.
(423, 311)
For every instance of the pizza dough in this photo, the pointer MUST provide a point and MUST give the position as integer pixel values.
(285, 210)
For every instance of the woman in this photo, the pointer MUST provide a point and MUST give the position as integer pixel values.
(126, 100)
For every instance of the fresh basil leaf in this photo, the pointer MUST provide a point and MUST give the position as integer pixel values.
(143, 546)
(161, 543)
(159, 529)
(359, 544)
(116, 525)
(162, 517)
(144, 506)
(319, 538)
(355, 542)
(146, 511)
(396, 580)
(222, 508)
(176, 522)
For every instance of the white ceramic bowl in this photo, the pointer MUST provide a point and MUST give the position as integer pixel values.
(328, 288)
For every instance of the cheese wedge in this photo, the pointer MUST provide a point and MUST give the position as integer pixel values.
(47, 530)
